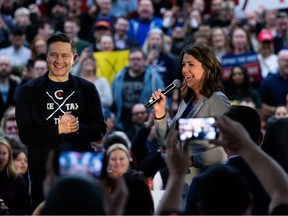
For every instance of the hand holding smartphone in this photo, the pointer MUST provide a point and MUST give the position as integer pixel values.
(197, 129)
(72, 162)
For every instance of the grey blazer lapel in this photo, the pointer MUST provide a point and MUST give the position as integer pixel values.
(179, 113)
(197, 107)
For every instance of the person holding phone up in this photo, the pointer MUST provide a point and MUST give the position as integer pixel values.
(202, 96)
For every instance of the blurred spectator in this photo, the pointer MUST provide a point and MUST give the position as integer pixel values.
(20, 164)
(247, 102)
(240, 42)
(75, 12)
(178, 40)
(6, 25)
(218, 41)
(34, 69)
(10, 111)
(22, 19)
(192, 24)
(121, 40)
(213, 11)
(281, 112)
(44, 28)
(158, 57)
(38, 46)
(140, 201)
(8, 7)
(201, 37)
(12, 188)
(104, 13)
(118, 157)
(7, 84)
(169, 21)
(106, 43)
(275, 87)
(267, 59)
(118, 154)
(139, 116)
(144, 142)
(72, 28)
(40, 66)
(124, 7)
(88, 70)
(58, 13)
(161, 6)
(270, 19)
(9, 125)
(100, 28)
(215, 187)
(275, 141)
(61, 198)
(17, 51)
(198, 5)
(222, 16)
(239, 87)
(281, 37)
(140, 26)
(253, 26)
(20, 161)
(134, 84)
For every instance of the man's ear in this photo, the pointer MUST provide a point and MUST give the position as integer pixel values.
(75, 57)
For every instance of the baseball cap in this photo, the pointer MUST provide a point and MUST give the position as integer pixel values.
(265, 35)
(102, 25)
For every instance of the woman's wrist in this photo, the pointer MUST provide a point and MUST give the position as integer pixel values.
(159, 118)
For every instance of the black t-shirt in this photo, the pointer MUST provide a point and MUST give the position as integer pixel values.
(132, 89)
(60, 98)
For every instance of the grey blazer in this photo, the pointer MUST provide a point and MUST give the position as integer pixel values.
(204, 154)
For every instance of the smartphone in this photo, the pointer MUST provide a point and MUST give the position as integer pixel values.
(73, 162)
(197, 129)
(155, 47)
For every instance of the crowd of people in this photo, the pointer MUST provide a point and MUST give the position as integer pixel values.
(232, 64)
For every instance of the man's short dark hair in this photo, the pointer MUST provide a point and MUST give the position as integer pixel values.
(137, 49)
(61, 37)
(223, 190)
(249, 118)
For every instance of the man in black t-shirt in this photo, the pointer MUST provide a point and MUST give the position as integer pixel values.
(57, 110)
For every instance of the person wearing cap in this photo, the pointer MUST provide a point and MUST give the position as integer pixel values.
(267, 58)
(100, 28)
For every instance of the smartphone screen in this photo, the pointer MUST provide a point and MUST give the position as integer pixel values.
(197, 129)
(73, 162)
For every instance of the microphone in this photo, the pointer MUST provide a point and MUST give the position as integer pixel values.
(175, 84)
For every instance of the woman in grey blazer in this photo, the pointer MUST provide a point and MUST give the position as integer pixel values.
(202, 96)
